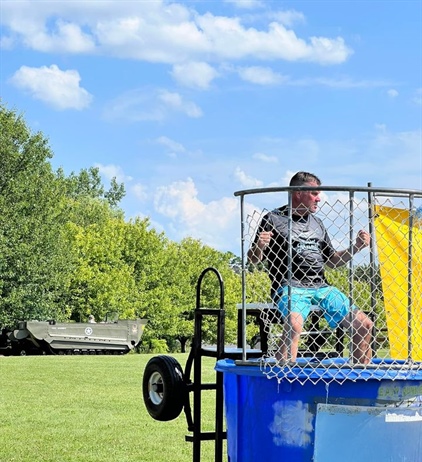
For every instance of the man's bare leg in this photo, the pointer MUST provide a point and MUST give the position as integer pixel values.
(289, 343)
(362, 337)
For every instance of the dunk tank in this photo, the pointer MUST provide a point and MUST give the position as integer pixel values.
(323, 405)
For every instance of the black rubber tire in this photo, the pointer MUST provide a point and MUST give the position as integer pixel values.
(164, 388)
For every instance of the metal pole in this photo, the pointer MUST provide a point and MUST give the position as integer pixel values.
(372, 272)
(197, 367)
(289, 275)
(350, 272)
(242, 238)
(409, 280)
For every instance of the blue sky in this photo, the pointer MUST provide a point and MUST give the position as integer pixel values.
(188, 102)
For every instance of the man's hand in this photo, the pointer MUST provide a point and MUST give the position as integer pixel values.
(264, 239)
(341, 257)
(256, 252)
(362, 240)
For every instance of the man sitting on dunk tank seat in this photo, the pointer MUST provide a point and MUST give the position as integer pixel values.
(311, 251)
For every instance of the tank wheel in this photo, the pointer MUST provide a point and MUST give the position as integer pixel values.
(163, 387)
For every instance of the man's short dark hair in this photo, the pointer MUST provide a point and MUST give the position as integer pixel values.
(301, 178)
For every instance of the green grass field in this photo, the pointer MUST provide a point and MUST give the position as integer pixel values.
(89, 409)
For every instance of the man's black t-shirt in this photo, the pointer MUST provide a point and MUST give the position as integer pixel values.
(311, 248)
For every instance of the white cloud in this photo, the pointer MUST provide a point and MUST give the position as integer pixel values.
(57, 88)
(247, 4)
(339, 82)
(328, 51)
(287, 177)
(260, 75)
(150, 104)
(214, 223)
(6, 43)
(173, 146)
(392, 93)
(29, 22)
(66, 37)
(175, 101)
(140, 192)
(136, 105)
(288, 17)
(246, 180)
(231, 40)
(194, 74)
(179, 200)
(159, 32)
(266, 76)
(265, 158)
(113, 171)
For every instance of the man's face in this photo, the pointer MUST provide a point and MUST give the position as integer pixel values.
(307, 201)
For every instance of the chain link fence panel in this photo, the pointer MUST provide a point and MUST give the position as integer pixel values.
(367, 319)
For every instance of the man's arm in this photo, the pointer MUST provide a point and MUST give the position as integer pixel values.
(341, 257)
(256, 252)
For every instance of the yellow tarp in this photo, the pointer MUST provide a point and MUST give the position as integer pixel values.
(392, 235)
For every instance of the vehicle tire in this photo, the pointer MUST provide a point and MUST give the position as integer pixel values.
(164, 388)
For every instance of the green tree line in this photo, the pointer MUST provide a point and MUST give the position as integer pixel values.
(67, 251)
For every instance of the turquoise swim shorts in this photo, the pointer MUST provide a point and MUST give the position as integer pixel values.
(333, 303)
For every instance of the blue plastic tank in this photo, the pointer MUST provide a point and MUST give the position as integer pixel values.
(330, 413)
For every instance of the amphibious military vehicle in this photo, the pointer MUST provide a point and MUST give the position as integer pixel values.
(51, 337)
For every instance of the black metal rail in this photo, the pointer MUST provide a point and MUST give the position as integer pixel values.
(194, 362)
